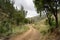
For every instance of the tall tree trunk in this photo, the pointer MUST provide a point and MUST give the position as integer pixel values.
(40, 14)
(56, 18)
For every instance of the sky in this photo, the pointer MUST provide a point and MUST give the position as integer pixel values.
(28, 6)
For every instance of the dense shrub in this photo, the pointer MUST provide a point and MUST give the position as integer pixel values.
(5, 27)
(52, 24)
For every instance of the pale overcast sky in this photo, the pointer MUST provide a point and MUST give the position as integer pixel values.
(28, 6)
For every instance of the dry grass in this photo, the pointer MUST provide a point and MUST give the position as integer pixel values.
(19, 29)
(41, 26)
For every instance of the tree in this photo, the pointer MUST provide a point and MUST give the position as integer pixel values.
(6, 11)
(10, 15)
(49, 6)
(7, 7)
(20, 15)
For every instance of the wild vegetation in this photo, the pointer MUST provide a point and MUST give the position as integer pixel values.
(51, 8)
(11, 19)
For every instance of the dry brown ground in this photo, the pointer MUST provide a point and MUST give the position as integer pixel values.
(31, 34)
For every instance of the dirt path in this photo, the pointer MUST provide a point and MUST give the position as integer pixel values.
(31, 34)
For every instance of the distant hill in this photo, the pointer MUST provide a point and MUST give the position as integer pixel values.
(37, 18)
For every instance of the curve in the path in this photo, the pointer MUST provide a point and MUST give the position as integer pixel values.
(31, 34)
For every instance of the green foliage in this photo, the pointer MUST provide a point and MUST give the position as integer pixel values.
(26, 21)
(38, 5)
(52, 22)
(5, 26)
(7, 7)
(48, 5)
(43, 32)
(10, 16)
(19, 16)
(6, 11)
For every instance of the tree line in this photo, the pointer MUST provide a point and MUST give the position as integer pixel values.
(9, 15)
